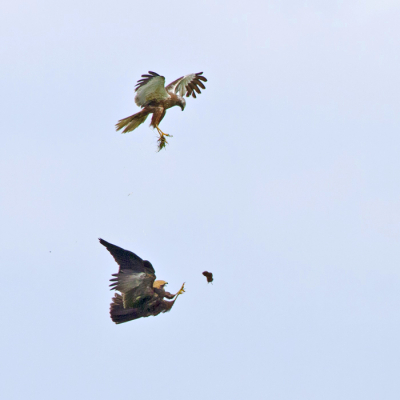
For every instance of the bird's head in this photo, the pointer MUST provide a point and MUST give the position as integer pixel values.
(182, 103)
(159, 284)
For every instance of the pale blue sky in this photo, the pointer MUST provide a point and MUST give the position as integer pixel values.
(282, 178)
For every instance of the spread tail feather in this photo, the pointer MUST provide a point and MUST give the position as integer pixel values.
(119, 314)
(132, 122)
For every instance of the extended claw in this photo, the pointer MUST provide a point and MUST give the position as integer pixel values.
(162, 141)
(181, 290)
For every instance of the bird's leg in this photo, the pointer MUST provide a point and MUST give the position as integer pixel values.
(161, 132)
(162, 141)
(181, 290)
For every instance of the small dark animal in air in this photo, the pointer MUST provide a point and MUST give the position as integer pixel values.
(209, 276)
(141, 295)
(154, 98)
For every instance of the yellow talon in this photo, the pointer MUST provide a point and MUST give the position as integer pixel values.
(162, 141)
(181, 290)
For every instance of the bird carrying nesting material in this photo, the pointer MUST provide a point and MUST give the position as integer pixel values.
(156, 99)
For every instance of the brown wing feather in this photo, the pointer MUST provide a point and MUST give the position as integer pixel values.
(195, 87)
(128, 260)
(187, 85)
(200, 84)
(146, 79)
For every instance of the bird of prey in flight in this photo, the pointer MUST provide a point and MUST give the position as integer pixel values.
(141, 294)
(154, 98)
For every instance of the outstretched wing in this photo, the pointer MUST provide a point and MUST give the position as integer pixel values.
(128, 260)
(188, 84)
(135, 277)
(150, 88)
